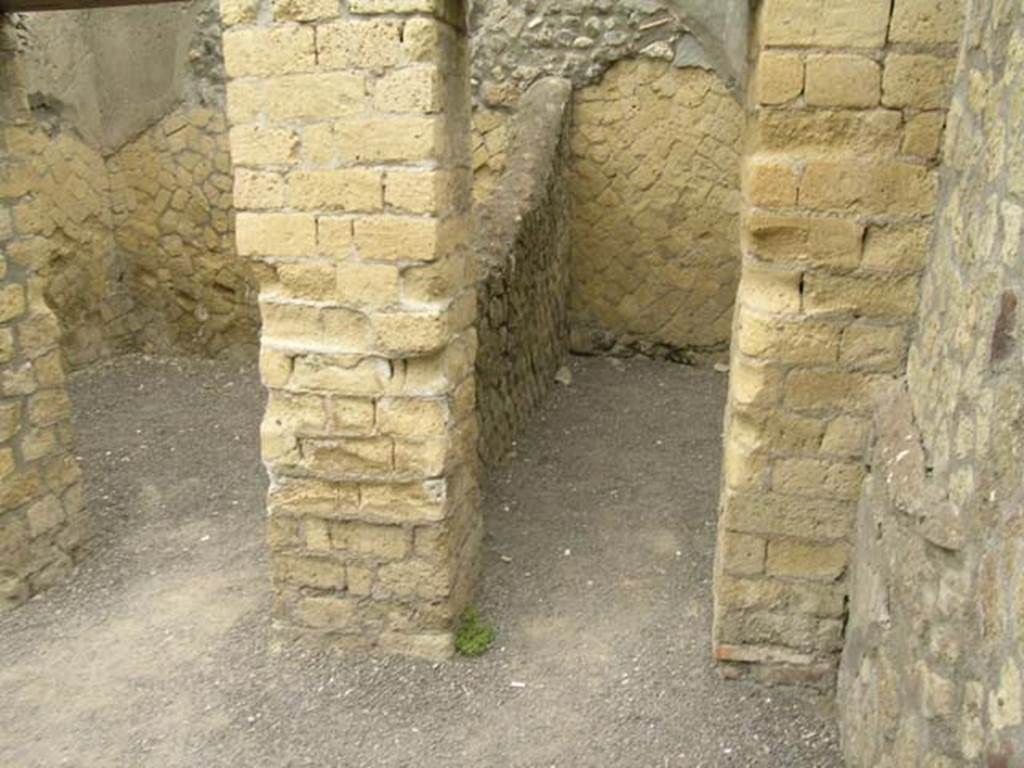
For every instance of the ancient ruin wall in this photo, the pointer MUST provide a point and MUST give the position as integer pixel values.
(516, 43)
(42, 515)
(848, 103)
(67, 221)
(351, 132)
(522, 239)
(934, 659)
(171, 190)
(655, 176)
(127, 163)
(655, 194)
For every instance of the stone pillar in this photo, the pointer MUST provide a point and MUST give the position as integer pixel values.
(846, 110)
(42, 514)
(349, 136)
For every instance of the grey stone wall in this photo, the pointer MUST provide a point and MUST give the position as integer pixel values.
(111, 73)
(934, 657)
(523, 239)
(517, 42)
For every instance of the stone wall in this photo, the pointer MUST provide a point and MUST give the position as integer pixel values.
(173, 219)
(116, 226)
(66, 221)
(42, 517)
(848, 101)
(655, 192)
(522, 239)
(131, 193)
(349, 132)
(934, 658)
(655, 173)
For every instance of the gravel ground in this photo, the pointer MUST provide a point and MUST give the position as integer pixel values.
(597, 573)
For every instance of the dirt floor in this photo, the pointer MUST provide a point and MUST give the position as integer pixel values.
(597, 572)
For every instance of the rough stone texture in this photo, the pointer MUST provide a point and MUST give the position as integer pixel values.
(131, 203)
(516, 43)
(932, 668)
(655, 261)
(351, 141)
(67, 230)
(173, 218)
(42, 515)
(522, 238)
(106, 248)
(840, 184)
(655, 192)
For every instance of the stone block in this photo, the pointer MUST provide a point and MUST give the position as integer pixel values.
(341, 374)
(917, 80)
(798, 597)
(416, 191)
(923, 135)
(822, 390)
(799, 560)
(825, 242)
(258, 189)
(261, 52)
(396, 238)
(353, 44)
(780, 77)
(879, 347)
(842, 80)
(770, 289)
(327, 613)
(741, 554)
(792, 341)
(819, 132)
(316, 572)
(897, 247)
(420, 501)
(288, 98)
(305, 10)
(238, 11)
(349, 459)
(397, 138)
(861, 295)
(416, 89)
(846, 436)
(368, 286)
(859, 187)
(395, 6)
(254, 144)
(753, 382)
(816, 477)
(12, 302)
(275, 234)
(926, 22)
(771, 184)
(346, 190)
(413, 417)
(770, 430)
(825, 23)
(379, 542)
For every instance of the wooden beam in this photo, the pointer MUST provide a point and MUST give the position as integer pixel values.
(24, 6)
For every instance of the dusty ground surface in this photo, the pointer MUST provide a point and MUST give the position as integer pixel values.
(598, 562)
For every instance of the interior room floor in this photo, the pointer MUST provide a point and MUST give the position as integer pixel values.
(597, 572)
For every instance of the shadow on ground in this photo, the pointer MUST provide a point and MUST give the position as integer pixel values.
(597, 571)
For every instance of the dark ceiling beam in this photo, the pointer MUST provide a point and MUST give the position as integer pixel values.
(25, 6)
